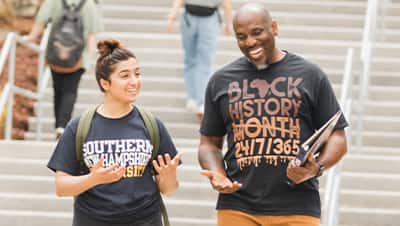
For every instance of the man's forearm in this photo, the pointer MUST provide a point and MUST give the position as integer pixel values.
(210, 158)
(334, 149)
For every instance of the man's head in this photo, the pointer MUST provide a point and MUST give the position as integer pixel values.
(255, 34)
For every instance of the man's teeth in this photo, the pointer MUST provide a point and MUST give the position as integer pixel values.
(255, 51)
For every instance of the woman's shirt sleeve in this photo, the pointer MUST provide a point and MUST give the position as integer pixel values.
(64, 155)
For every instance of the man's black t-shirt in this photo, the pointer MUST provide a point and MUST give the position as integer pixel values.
(266, 115)
(121, 141)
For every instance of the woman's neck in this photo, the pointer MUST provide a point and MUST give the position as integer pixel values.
(114, 109)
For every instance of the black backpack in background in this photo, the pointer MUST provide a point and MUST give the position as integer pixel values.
(66, 40)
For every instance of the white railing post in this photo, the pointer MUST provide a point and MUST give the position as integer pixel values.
(7, 94)
(366, 54)
(10, 99)
(5, 50)
(333, 177)
(41, 83)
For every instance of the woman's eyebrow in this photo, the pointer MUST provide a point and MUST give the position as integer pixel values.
(123, 71)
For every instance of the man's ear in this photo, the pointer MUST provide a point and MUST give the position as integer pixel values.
(274, 27)
(104, 84)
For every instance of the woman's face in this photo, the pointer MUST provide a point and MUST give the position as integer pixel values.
(125, 82)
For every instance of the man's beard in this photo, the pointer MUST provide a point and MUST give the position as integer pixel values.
(258, 66)
(261, 66)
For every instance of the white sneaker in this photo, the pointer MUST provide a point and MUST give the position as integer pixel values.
(191, 105)
(59, 132)
(200, 112)
(201, 109)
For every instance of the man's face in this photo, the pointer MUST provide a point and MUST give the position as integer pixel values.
(256, 37)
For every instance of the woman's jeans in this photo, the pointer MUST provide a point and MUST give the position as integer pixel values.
(199, 40)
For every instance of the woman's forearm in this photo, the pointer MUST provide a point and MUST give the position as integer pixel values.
(167, 184)
(36, 32)
(177, 4)
(68, 185)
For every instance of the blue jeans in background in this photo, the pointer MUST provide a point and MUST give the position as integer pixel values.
(199, 40)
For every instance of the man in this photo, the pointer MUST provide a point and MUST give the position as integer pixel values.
(267, 103)
(199, 27)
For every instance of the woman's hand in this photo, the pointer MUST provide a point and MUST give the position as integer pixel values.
(101, 175)
(170, 23)
(166, 169)
(68, 185)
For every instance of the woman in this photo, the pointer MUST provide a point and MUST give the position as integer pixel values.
(199, 27)
(119, 187)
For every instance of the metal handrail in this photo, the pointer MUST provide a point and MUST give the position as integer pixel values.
(7, 95)
(331, 195)
(366, 54)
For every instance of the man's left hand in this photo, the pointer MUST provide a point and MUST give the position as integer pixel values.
(299, 174)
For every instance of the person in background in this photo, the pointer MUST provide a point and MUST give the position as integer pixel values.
(267, 102)
(7, 14)
(66, 82)
(116, 186)
(199, 26)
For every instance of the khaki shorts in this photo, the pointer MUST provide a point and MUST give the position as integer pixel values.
(238, 218)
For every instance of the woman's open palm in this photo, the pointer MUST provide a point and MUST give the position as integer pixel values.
(168, 166)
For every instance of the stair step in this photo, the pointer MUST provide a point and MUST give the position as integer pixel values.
(283, 17)
(159, 6)
(38, 218)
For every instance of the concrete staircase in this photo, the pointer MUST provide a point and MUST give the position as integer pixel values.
(320, 30)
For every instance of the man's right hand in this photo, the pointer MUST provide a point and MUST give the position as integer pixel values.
(220, 182)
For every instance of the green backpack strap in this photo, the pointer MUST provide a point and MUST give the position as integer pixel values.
(154, 133)
(164, 213)
(81, 132)
(152, 127)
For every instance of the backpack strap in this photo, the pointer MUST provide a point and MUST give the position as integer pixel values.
(164, 212)
(65, 4)
(152, 128)
(154, 133)
(81, 132)
(76, 9)
(80, 5)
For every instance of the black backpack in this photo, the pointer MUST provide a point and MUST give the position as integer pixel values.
(66, 40)
(152, 130)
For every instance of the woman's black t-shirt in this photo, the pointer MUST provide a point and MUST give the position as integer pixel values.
(121, 141)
